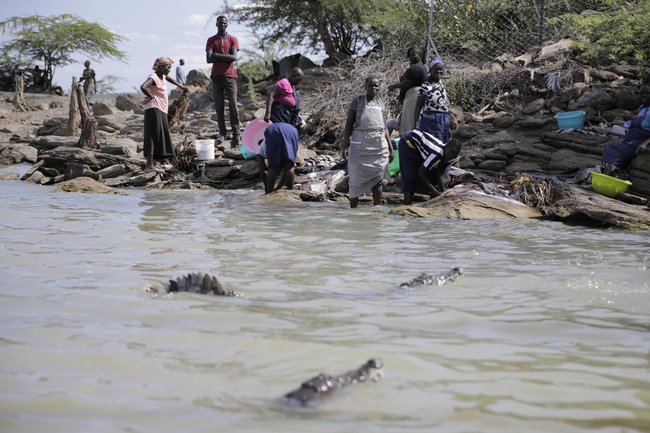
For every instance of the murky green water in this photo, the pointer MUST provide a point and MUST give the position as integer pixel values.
(548, 330)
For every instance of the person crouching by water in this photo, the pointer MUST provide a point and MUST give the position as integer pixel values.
(432, 106)
(423, 159)
(366, 142)
(157, 138)
(283, 101)
(280, 148)
(619, 156)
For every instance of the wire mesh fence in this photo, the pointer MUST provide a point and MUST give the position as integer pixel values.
(477, 31)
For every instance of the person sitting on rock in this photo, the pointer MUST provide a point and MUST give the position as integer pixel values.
(280, 148)
(618, 156)
(423, 159)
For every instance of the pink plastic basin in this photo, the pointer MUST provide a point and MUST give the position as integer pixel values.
(253, 133)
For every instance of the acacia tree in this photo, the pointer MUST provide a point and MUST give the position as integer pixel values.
(341, 28)
(55, 39)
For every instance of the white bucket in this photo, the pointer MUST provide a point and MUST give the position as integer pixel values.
(204, 149)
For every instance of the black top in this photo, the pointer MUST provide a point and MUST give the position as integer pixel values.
(414, 76)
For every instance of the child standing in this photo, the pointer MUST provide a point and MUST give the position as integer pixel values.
(157, 138)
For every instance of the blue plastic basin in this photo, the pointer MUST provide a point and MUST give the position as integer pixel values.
(570, 119)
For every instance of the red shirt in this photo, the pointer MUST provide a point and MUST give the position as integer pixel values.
(222, 45)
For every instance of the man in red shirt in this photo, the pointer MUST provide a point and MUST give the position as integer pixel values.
(221, 50)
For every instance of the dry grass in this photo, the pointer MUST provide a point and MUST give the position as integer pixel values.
(537, 193)
(328, 106)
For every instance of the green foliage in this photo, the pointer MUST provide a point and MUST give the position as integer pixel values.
(400, 24)
(459, 90)
(621, 36)
(53, 40)
(255, 67)
(340, 28)
(9, 65)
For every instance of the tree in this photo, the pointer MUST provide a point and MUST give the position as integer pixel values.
(107, 84)
(617, 34)
(55, 39)
(341, 28)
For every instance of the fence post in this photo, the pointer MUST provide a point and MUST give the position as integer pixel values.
(430, 43)
(541, 22)
(429, 39)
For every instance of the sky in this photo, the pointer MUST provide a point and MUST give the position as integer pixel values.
(178, 29)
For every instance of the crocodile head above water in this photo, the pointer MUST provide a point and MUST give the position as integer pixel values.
(433, 279)
(324, 385)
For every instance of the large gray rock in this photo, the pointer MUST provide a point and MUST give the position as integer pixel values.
(599, 100)
(640, 174)
(534, 106)
(567, 159)
(573, 203)
(200, 101)
(15, 153)
(87, 185)
(52, 142)
(119, 146)
(249, 170)
(553, 51)
(197, 78)
(129, 102)
(101, 109)
(467, 202)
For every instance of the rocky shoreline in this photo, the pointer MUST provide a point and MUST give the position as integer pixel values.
(515, 162)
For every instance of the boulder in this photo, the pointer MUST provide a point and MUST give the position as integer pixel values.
(468, 203)
(119, 146)
(567, 159)
(48, 142)
(129, 102)
(101, 109)
(75, 170)
(112, 171)
(87, 185)
(198, 79)
(599, 100)
(15, 153)
(553, 51)
(573, 203)
(249, 170)
(534, 106)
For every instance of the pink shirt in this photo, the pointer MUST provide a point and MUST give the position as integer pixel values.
(158, 89)
(223, 45)
(284, 93)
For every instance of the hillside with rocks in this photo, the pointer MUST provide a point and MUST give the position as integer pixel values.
(511, 144)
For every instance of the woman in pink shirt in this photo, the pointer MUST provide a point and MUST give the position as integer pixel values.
(283, 101)
(157, 138)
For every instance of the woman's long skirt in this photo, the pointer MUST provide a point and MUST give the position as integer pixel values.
(156, 134)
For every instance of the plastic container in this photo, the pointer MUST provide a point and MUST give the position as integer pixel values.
(247, 154)
(393, 167)
(204, 150)
(570, 119)
(253, 133)
(608, 185)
